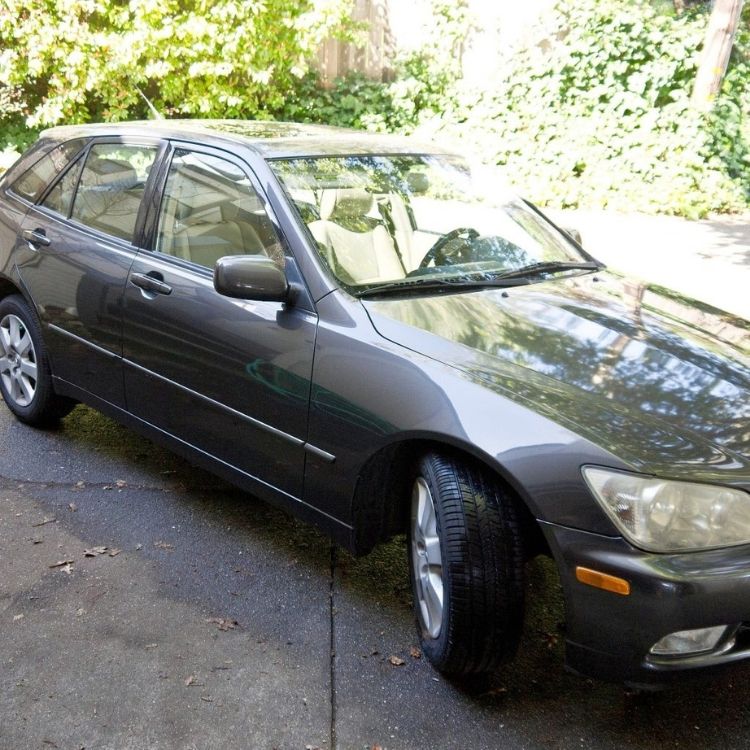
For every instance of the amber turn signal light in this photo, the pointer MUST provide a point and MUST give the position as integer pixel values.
(603, 581)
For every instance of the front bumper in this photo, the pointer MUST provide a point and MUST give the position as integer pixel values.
(610, 636)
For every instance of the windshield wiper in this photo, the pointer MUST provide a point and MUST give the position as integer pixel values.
(550, 266)
(427, 285)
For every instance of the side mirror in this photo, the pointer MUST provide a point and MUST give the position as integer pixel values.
(253, 277)
(573, 234)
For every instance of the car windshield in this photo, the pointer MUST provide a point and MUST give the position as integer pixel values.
(402, 221)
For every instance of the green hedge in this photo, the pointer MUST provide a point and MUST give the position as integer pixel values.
(600, 116)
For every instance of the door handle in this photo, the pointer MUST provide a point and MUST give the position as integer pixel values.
(149, 283)
(35, 237)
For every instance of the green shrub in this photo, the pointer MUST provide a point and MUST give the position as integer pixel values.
(596, 113)
(424, 85)
(84, 60)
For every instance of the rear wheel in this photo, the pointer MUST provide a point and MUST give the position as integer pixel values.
(467, 566)
(25, 379)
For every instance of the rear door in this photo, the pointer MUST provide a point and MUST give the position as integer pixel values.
(226, 376)
(77, 245)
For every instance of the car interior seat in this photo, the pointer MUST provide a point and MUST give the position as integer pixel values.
(109, 197)
(353, 237)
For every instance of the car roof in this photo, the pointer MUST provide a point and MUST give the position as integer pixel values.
(269, 139)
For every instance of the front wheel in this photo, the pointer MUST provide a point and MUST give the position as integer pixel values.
(25, 378)
(467, 566)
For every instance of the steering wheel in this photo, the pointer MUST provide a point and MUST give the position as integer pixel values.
(438, 254)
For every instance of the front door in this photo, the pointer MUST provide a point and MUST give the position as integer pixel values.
(226, 376)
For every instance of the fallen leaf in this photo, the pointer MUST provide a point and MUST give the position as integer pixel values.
(415, 653)
(79, 484)
(376, 747)
(16, 618)
(114, 552)
(94, 551)
(189, 680)
(151, 645)
(49, 742)
(312, 747)
(120, 483)
(45, 521)
(396, 661)
(37, 541)
(163, 545)
(72, 507)
(61, 563)
(207, 699)
(223, 624)
(139, 546)
(80, 612)
(107, 487)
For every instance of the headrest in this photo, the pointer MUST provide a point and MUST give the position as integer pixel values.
(345, 203)
(113, 173)
(230, 210)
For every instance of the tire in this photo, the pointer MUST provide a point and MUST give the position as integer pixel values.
(472, 550)
(25, 377)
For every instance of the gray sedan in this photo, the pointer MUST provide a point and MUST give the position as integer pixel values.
(354, 328)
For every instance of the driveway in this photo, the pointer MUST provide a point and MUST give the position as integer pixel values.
(204, 619)
(708, 260)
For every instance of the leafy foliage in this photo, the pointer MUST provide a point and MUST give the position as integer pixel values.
(424, 83)
(596, 113)
(82, 60)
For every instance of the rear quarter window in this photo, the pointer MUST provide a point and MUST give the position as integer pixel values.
(32, 183)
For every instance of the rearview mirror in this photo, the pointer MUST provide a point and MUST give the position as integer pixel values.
(250, 277)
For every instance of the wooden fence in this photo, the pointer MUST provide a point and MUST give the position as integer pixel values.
(336, 59)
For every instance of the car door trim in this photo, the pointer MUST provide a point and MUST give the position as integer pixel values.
(297, 442)
(80, 340)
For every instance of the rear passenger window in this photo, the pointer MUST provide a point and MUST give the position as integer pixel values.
(210, 209)
(111, 188)
(32, 183)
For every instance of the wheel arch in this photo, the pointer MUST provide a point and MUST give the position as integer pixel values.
(380, 503)
(8, 287)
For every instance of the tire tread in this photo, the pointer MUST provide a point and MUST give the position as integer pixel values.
(483, 567)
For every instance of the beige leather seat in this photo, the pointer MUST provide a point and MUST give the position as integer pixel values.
(209, 234)
(109, 197)
(354, 239)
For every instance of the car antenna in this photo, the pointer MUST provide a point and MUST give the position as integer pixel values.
(151, 108)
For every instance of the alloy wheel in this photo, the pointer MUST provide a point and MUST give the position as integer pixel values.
(427, 561)
(18, 366)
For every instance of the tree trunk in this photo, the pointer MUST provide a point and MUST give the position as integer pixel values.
(722, 29)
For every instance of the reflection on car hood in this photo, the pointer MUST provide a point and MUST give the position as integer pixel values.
(661, 381)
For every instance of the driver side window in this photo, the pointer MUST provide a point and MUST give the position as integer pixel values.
(210, 209)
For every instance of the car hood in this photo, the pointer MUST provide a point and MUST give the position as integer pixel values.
(660, 381)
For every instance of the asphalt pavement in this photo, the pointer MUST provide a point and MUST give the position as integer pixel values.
(145, 604)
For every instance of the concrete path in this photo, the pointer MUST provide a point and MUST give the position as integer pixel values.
(222, 623)
(708, 260)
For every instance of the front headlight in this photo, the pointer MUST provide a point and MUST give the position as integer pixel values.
(665, 516)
